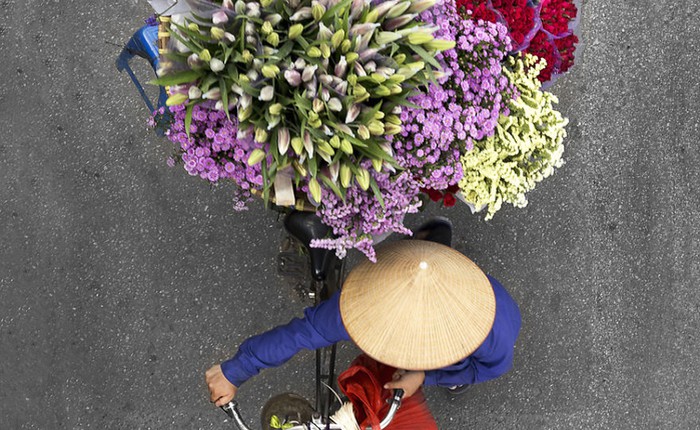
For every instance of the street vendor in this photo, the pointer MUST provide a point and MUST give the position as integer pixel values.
(423, 308)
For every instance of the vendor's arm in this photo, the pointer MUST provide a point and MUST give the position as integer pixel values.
(495, 355)
(321, 326)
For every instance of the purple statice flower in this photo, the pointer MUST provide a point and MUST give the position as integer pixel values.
(360, 217)
(151, 20)
(213, 150)
(461, 107)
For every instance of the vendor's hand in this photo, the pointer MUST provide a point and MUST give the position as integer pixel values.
(408, 381)
(220, 389)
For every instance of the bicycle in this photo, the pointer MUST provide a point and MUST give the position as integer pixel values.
(326, 278)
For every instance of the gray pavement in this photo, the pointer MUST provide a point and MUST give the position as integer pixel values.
(122, 280)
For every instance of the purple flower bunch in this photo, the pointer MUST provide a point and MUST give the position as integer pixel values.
(215, 149)
(357, 221)
(463, 106)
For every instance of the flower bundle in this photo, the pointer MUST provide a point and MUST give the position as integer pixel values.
(316, 84)
(461, 108)
(362, 107)
(525, 149)
(544, 28)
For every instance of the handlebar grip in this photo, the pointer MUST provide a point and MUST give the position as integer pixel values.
(231, 409)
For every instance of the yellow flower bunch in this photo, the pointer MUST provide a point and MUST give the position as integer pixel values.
(525, 148)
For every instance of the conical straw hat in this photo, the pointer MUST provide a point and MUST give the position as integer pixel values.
(421, 306)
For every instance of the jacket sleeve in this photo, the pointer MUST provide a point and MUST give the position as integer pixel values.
(321, 326)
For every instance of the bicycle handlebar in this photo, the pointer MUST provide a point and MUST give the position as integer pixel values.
(231, 409)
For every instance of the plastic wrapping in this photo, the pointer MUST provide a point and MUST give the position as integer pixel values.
(363, 384)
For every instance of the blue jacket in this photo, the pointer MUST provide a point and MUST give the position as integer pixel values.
(322, 326)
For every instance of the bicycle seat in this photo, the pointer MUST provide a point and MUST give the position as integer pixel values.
(305, 226)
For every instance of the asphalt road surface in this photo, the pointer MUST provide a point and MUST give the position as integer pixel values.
(122, 280)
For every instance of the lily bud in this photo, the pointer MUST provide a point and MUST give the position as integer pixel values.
(293, 77)
(253, 9)
(345, 129)
(398, 22)
(317, 105)
(376, 128)
(359, 90)
(384, 37)
(325, 147)
(359, 70)
(283, 140)
(362, 178)
(357, 7)
(245, 101)
(270, 70)
(393, 119)
(204, 55)
(193, 26)
(372, 16)
(368, 54)
(299, 168)
(193, 61)
(300, 63)
(247, 56)
(176, 99)
(363, 132)
(345, 46)
(216, 65)
(419, 38)
(324, 33)
(261, 135)
(240, 7)
(353, 113)
(362, 29)
(325, 50)
(379, 115)
(392, 129)
(295, 31)
(325, 94)
(267, 93)
(315, 189)
(229, 37)
(377, 78)
(440, 45)
(313, 52)
(400, 58)
(317, 10)
(377, 164)
(194, 93)
(244, 114)
(341, 87)
(346, 146)
(249, 29)
(334, 170)
(335, 105)
(397, 10)
(252, 75)
(266, 28)
(326, 79)
(272, 123)
(418, 6)
(276, 109)
(256, 157)
(337, 38)
(265, 3)
(341, 67)
(382, 91)
(301, 14)
(395, 89)
(345, 175)
(219, 17)
(297, 145)
(212, 94)
(334, 142)
(274, 19)
(383, 8)
(227, 4)
(308, 144)
(308, 73)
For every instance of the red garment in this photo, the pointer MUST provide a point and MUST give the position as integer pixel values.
(363, 383)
